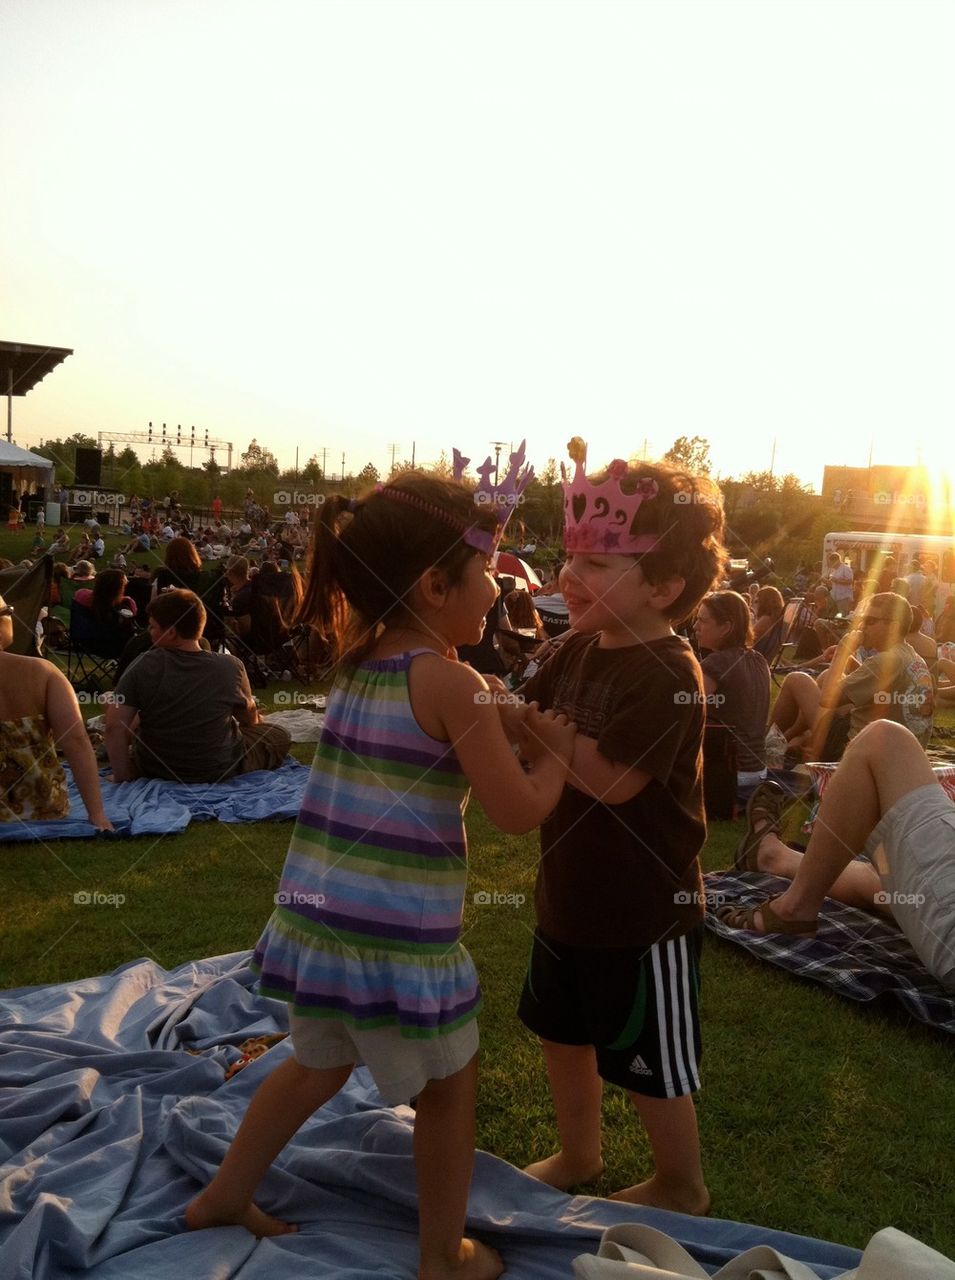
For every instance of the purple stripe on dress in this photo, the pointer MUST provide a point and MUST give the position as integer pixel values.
(369, 928)
(423, 848)
(367, 1012)
(374, 749)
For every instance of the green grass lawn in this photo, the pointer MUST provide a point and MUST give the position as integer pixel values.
(816, 1115)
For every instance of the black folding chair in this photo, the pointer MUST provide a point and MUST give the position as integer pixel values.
(26, 591)
(92, 650)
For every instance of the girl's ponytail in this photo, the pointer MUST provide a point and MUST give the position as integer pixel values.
(323, 604)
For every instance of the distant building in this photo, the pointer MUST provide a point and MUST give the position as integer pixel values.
(906, 499)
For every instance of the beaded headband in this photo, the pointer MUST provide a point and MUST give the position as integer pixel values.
(598, 517)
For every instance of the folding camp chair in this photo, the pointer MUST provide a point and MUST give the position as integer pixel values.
(796, 618)
(92, 651)
(26, 590)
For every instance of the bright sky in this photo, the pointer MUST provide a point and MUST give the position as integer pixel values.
(363, 224)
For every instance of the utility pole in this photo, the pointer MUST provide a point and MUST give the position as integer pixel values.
(343, 467)
(394, 449)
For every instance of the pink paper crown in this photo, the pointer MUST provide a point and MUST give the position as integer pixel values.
(598, 517)
(502, 498)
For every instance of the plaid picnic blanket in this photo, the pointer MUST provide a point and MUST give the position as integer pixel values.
(857, 955)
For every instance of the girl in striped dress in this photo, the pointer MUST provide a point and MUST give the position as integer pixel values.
(364, 940)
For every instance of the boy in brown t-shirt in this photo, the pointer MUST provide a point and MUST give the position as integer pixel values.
(612, 984)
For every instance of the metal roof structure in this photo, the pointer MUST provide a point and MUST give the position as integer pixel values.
(22, 366)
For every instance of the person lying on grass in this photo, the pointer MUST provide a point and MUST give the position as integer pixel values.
(883, 800)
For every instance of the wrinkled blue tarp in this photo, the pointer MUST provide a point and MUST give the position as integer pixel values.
(150, 807)
(113, 1110)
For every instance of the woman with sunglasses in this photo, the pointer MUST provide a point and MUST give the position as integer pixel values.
(874, 675)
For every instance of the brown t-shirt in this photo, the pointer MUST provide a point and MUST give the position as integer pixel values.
(741, 701)
(626, 875)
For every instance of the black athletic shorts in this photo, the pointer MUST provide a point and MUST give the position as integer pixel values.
(636, 1006)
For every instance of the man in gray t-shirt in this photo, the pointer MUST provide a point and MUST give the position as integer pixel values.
(184, 714)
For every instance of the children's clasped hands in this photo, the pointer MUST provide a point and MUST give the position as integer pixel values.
(545, 733)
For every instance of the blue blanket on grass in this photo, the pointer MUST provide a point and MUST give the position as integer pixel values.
(149, 807)
(114, 1109)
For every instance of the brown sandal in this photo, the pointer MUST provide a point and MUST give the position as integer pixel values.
(765, 807)
(745, 918)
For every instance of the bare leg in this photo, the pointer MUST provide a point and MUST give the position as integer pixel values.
(881, 765)
(281, 1105)
(797, 706)
(577, 1090)
(677, 1181)
(858, 885)
(444, 1159)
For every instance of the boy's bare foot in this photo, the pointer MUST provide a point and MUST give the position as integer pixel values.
(557, 1171)
(200, 1214)
(474, 1262)
(658, 1195)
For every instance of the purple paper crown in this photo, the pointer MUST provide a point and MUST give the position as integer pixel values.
(502, 497)
(598, 517)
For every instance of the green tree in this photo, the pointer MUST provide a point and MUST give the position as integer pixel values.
(368, 475)
(259, 459)
(312, 471)
(689, 454)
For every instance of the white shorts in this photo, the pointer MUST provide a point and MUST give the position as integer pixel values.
(913, 850)
(399, 1066)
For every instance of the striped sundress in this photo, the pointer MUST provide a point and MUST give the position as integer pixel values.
(368, 913)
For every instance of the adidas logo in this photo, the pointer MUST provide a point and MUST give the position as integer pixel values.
(639, 1067)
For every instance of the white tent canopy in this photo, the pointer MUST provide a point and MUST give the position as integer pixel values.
(25, 467)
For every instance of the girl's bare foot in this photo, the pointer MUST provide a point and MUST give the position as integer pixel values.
(475, 1261)
(557, 1171)
(200, 1214)
(659, 1195)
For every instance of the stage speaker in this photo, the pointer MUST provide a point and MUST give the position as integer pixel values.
(89, 467)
